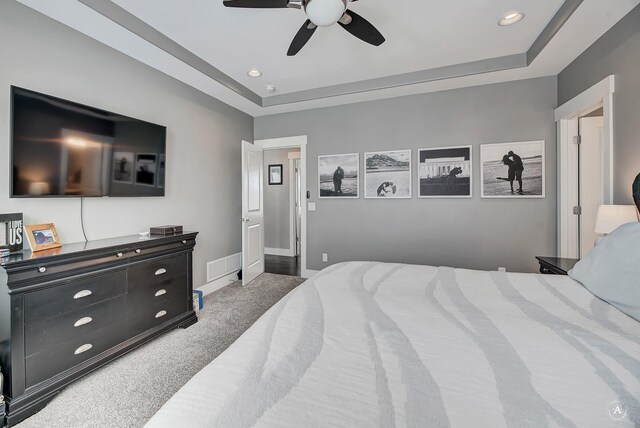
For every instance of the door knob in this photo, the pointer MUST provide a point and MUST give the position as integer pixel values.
(246, 220)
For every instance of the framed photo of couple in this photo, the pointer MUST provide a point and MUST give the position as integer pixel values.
(513, 170)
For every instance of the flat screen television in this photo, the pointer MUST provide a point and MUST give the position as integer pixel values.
(61, 148)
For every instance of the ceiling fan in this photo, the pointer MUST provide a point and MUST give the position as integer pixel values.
(321, 13)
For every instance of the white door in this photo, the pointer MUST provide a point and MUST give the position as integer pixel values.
(252, 213)
(591, 179)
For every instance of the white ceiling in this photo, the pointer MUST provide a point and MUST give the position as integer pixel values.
(420, 35)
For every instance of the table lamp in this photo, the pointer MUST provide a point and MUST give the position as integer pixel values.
(611, 217)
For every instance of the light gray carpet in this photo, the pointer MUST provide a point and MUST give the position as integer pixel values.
(128, 391)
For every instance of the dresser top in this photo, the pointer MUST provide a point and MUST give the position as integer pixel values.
(99, 244)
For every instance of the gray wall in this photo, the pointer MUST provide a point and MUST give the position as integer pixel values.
(616, 52)
(203, 136)
(277, 230)
(477, 233)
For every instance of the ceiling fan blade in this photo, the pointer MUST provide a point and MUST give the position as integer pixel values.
(302, 37)
(363, 29)
(258, 4)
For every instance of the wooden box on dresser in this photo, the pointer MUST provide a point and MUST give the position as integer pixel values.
(68, 311)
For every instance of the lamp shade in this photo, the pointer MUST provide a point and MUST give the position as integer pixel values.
(611, 217)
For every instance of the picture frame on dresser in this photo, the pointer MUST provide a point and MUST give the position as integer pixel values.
(42, 236)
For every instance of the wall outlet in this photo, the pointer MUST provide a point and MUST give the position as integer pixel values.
(325, 257)
(502, 269)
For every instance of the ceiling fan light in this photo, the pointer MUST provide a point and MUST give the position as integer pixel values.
(324, 13)
(511, 18)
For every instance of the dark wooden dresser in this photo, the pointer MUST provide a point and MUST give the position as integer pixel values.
(68, 311)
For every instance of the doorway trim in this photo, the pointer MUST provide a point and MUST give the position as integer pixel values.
(299, 141)
(292, 202)
(567, 116)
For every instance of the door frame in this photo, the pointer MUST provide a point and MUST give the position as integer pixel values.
(292, 202)
(299, 141)
(567, 116)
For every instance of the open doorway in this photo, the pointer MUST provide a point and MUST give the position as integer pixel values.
(285, 204)
(282, 215)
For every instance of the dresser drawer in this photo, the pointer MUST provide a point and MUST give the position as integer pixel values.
(148, 317)
(144, 249)
(44, 304)
(157, 271)
(49, 333)
(50, 362)
(153, 293)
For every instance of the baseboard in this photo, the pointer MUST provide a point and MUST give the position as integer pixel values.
(279, 252)
(308, 273)
(218, 283)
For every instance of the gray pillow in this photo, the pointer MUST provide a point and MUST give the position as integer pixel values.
(611, 270)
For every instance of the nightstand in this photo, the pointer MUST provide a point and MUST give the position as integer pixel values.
(556, 265)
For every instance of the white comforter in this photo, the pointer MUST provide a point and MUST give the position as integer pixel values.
(372, 344)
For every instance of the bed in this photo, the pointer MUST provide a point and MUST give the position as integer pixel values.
(368, 344)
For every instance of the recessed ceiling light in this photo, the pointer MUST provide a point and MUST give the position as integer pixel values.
(270, 88)
(511, 18)
(254, 73)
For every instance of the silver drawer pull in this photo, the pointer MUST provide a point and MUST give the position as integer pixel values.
(81, 294)
(83, 321)
(83, 348)
(184, 241)
(119, 255)
(138, 250)
(161, 314)
(42, 269)
(161, 271)
(161, 292)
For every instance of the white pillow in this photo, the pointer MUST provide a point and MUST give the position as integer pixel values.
(611, 270)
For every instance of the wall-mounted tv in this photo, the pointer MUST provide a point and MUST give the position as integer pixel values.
(61, 148)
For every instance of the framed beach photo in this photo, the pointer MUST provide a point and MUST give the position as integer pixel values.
(122, 167)
(513, 170)
(339, 176)
(42, 236)
(275, 174)
(445, 172)
(387, 175)
(146, 168)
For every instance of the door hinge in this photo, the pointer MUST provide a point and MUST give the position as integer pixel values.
(577, 139)
(577, 210)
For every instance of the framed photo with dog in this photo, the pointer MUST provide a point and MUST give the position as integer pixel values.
(445, 172)
(42, 236)
(513, 170)
(387, 175)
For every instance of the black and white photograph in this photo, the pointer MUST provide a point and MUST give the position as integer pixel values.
(123, 167)
(388, 175)
(338, 176)
(146, 167)
(513, 170)
(161, 171)
(275, 175)
(445, 172)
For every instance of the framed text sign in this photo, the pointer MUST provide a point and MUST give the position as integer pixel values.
(11, 232)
